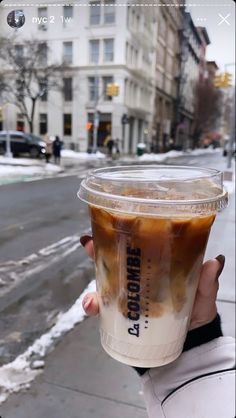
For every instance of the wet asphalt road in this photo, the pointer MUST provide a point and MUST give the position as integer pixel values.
(39, 213)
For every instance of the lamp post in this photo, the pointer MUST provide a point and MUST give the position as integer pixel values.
(232, 133)
(8, 152)
(95, 116)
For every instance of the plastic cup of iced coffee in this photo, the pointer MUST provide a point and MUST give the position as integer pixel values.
(150, 228)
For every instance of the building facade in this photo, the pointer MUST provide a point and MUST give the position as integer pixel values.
(205, 41)
(99, 44)
(168, 48)
(191, 47)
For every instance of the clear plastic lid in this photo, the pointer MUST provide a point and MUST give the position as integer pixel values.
(155, 190)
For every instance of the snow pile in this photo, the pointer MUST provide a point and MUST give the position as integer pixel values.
(160, 157)
(82, 155)
(19, 170)
(18, 374)
(13, 170)
(19, 161)
(172, 154)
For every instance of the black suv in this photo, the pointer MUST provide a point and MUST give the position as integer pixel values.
(22, 143)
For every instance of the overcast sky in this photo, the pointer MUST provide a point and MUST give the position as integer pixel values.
(221, 33)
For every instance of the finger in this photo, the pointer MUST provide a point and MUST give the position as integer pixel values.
(87, 242)
(211, 270)
(205, 310)
(90, 304)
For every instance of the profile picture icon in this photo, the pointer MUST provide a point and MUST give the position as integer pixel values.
(16, 19)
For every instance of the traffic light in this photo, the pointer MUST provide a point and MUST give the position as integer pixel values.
(227, 80)
(112, 90)
(89, 126)
(223, 80)
(218, 81)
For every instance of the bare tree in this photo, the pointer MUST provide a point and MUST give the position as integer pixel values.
(208, 102)
(26, 76)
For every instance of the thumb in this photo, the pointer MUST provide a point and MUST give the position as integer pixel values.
(90, 304)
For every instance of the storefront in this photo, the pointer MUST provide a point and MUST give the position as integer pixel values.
(104, 129)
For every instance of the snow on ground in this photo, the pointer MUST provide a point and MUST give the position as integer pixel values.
(149, 157)
(18, 374)
(19, 169)
(82, 155)
(7, 170)
(20, 161)
(173, 154)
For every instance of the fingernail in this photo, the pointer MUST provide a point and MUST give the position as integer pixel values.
(84, 239)
(221, 259)
(87, 302)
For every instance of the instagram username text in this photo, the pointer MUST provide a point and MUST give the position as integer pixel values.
(51, 20)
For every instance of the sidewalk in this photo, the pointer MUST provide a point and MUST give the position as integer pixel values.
(80, 381)
(26, 169)
(20, 169)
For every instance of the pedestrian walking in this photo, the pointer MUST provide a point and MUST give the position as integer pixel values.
(201, 382)
(117, 149)
(109, 143)
(48, 149)
(57, 150)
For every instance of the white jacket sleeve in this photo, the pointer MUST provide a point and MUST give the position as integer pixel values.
(200, 384)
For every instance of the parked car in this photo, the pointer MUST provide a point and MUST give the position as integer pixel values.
(22, 143)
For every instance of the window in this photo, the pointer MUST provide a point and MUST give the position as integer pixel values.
(67, 89)
(106, 80)
(95, 13)
(170, 64)
(43, 89)
(162, 27)
(67, 52)
(67, 124)
(161, 54)
(67, 15)
(109, 11)
(137, 23)
(94, 51)
(43, 123)
(171, 39)
(20, 89)
(42, 18)
(93, 84)
(128, 17)
(127, 53)
(19, 54)
(108, 50)
(136, 57)
(43, 53)
(20, 123)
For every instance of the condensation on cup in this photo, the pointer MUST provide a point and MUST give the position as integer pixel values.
(150, 229)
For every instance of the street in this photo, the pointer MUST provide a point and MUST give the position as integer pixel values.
(43, 269)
